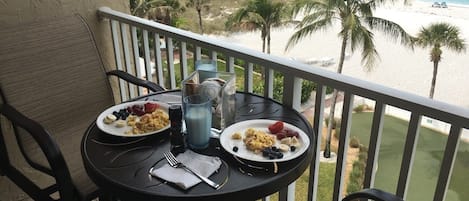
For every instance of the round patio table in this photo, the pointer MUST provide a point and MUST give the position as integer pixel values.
(120, 166)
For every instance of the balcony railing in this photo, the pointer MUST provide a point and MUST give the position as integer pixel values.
(132, 37)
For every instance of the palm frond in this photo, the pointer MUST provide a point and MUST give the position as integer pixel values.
(391, 29)
(308, 30)
(440, 34)
(369, 54)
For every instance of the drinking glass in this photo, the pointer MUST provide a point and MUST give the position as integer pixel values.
(198, 119)
(207, 68)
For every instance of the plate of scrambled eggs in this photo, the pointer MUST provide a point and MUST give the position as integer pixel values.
(134, 119)
(252, 140)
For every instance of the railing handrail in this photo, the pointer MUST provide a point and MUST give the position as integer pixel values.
(428, 107)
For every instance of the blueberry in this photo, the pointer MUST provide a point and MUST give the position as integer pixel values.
(272, 156)
(279, 154)
(265, 152)
(274, 148)
(292, 148)
(235, 149)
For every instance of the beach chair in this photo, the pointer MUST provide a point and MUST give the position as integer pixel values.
(53, 85)
(444, 5)
(436, 5)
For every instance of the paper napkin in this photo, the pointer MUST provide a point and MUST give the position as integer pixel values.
(205, 165)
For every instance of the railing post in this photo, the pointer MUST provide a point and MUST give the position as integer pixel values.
(447, 163)
(374, 145)
(183, 60)
(409, 155)
(248, 76)
(230, 64)
(170, 60)
(268, 82)
(343, 146)
(146, 57)
(118, 59)
(292, 92)
(159, 60)
(125, 46)
(317, 128)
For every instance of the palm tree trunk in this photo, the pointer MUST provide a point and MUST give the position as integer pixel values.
(327, 150)
(268, 41)
(435, 72)
(199, 12)
(263, 43)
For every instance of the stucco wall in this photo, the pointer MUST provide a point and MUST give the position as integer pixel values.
(26, 11)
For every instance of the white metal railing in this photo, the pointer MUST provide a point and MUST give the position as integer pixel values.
(458, 118)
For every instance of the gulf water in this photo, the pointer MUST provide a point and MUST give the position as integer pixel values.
(458, 2)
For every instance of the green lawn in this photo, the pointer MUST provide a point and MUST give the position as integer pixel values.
(427, 159)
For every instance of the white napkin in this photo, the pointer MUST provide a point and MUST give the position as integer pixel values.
(205, 165)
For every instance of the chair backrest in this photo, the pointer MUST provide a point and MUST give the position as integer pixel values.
(51, 72)
(372, 194)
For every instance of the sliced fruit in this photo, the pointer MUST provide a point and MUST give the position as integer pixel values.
(276, 127)
(150, 107)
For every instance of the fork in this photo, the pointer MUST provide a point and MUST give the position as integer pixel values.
(177, 164)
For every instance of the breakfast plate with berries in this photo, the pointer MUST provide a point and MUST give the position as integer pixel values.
(264, 140)
(134, 119)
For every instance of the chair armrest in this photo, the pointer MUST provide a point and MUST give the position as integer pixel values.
(47, 144)
(374, 194)
(137, 81)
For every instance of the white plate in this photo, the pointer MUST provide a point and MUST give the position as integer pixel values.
(261, 124)
(113, 130)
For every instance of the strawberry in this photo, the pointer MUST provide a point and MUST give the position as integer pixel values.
(276, 127)
(150, 107)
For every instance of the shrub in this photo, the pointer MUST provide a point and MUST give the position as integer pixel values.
(356, 179)
(360, 108)
(354, 142)
(306, 89)
(358, 170)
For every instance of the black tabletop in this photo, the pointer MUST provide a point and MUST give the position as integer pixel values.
(120, 165)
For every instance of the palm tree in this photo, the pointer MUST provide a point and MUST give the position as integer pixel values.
(259, 14)
(199, 5)
(436, 36)
(356, 21)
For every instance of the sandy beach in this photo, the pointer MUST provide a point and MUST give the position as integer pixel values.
(399, 67)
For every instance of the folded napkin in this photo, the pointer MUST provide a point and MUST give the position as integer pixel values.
(205, 165)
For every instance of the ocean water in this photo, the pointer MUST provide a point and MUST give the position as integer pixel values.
(459, 2)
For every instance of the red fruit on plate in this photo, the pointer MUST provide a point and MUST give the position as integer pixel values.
(291, 133)
(138, 112)
(150, 107)
(276, 127)
(281, 135)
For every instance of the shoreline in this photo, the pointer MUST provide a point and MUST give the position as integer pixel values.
(412, 66)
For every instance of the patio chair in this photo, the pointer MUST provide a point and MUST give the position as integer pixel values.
(373, 194)
(53, 85)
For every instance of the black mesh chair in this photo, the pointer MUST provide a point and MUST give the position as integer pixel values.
(53, 84)
(373, 194)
